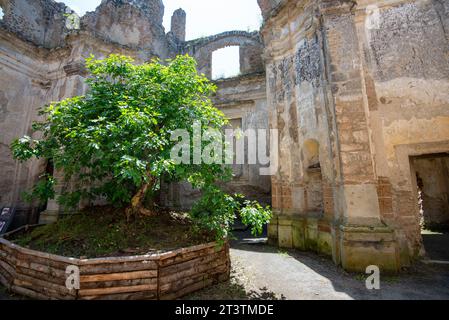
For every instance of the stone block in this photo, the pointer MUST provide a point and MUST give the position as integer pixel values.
(312, 234)
(325, 240)
(285, 237)
(273, 231)
(299, 234)
(48, 217)
(362, 204)
(362, 246)
(325, 243)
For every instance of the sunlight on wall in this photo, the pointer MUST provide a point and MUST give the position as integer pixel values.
(226, 62)
(221, 15)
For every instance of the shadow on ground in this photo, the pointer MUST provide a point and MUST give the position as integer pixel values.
(239, 287)
(264, 272)
(436, 245)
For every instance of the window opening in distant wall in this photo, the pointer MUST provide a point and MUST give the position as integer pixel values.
(226, 63)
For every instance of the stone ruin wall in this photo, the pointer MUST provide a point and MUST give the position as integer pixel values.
(243, 101)
(367, 99)
(251, 49)
(42, 57)
(356, 107)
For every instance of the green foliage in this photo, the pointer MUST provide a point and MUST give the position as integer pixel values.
(118, 135)
(254, 215)
(217, 212)
(116, 138)
(43, 190)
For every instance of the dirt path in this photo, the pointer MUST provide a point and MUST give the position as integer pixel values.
(264, 272)
(299, 276)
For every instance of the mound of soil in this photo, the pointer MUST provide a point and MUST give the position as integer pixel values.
(104, 232)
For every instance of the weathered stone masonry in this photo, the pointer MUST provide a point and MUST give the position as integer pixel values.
(354, 104)
(361, 102)
(250, 44)
(41, 60)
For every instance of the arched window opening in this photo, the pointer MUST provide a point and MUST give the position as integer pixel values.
(226, 63)
(1, 13)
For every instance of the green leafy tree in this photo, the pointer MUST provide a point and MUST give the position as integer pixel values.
(115, 141)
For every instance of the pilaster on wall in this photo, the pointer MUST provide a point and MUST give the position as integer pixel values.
(357, 179)
(363, 237)
(322, 40)
(298, 98)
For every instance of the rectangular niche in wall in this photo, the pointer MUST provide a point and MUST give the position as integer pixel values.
(237, 169)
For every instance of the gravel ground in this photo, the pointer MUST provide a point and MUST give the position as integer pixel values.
(262, 272)
(303, 276)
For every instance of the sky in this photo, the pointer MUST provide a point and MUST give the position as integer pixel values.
(204, 18)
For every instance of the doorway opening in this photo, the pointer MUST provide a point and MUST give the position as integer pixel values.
(431, 173)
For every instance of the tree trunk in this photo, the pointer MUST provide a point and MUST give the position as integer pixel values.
(137, 206)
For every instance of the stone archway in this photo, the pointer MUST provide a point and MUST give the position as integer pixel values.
(250, 44)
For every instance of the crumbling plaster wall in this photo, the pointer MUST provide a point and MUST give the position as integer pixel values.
(42, 60)
(406, 72)
(135, 24)
(41, 22)
(383, 92)
(269, 7)
(297, 97)
(243, 101)
(24, 86)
